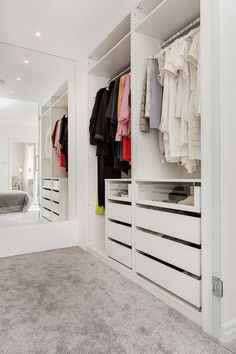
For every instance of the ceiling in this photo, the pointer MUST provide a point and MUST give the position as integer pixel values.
(43, 75)
(69, 28)
(18, 113)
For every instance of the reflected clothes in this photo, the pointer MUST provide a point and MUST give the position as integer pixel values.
(64, 139)
(60, 141)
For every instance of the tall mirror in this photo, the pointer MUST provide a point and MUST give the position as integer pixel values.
(37, 107)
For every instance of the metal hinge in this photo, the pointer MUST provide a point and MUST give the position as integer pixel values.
(217, 287)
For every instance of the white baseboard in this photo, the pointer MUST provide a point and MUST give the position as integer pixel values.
(228, 331)
(37, 238)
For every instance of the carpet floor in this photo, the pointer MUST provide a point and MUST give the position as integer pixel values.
(66, 301)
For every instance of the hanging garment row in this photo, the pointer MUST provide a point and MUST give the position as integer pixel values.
(110, 131)
(60, 141)
(171, 101)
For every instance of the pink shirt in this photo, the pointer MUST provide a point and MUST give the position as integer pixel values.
(124, 124)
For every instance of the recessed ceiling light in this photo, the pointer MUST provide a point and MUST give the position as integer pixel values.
(18, 78)
(12, 91)
(37, 34)
(26, 61)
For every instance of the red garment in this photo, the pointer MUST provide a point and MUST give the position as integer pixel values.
(126, 148)
(62, 160)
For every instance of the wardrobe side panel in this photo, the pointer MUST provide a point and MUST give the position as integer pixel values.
(96, 223)
(147, 159)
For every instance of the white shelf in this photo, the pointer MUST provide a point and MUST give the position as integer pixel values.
(120, 180)
(168, 180)
(120, 199)
(155, 24)
(62, 101)
(116, 60)
(173, 206)
(114, 37)
(146, 6)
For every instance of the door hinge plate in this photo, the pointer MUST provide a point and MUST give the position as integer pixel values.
(217, 287)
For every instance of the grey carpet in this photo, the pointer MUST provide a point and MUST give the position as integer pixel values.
(66, 301)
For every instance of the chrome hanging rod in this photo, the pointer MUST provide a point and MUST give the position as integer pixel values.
(181, 33)
(120, 74)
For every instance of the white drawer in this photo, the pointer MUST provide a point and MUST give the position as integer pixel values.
(118, 252)
(45, 220)
(178, 283)
(46, 203)
(55, 196)
(55, 207)
(175, 253)
(184, 227)
(55, 185)
(119, 232)
(47, 214)
(46, 193)
(55, 217)
(47, 183)
(120, 212)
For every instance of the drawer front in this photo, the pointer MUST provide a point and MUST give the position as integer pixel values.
(184, 227)
(56, 185)
(55, 207)
(119, 232)
(55, 217)
(47, 214)
(172, 280)
(46, 203)
(47, 183)
(46, 193)
(45, 220)
(120, 253)
(175, 253)
(55, 196)
(120, 212)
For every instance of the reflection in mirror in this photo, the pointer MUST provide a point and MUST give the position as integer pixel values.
(36, 103)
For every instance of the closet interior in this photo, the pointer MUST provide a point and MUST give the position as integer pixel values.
(54, 156)
(151, 231)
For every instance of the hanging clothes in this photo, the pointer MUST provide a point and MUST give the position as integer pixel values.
(112, 114)
(103, 128)
(93, 120)
(63, 139)
(124, 110)
(177, 70)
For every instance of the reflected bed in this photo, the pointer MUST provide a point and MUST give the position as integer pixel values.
(14, 202)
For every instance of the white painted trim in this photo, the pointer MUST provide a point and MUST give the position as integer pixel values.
(228, 331)
(37, 238)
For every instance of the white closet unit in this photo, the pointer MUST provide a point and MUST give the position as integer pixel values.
(105, 62)
(54, 199)
(158, 238)
(54, 179)
(118, 221)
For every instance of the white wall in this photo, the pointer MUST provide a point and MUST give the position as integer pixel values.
(228, 165)
(18, 157)
(18, 132)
